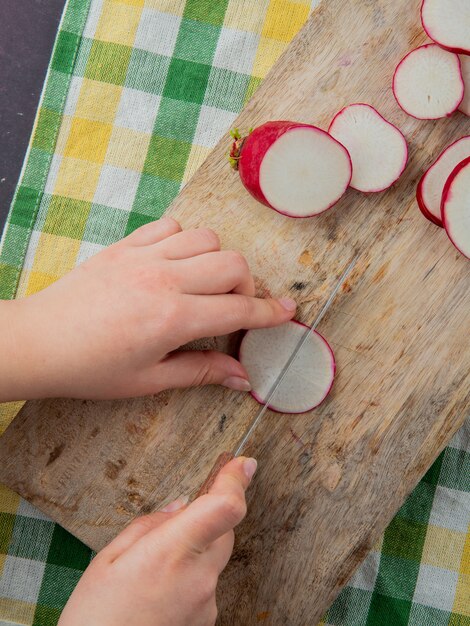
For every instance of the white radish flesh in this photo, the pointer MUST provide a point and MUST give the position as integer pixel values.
(378, 149)
(456, 207)
(447, 22)
(265, 351)
(465, 64)
(297, 169)
(431, 185)
(428, 83)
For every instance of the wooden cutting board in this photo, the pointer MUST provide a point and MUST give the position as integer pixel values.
(328, 481)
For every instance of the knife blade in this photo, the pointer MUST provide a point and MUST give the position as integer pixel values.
(227, 456)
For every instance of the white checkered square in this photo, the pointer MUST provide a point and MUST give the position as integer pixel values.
(117, 187)
(157, 32)
(31, 251)
(53, 171)
(28, 510)
(73, 94)
(450, 509)
(21, 579)
(436, 587)
(88, 250)
(137, 110)
(94, 14)
(236, 50)
(212, 124)
(461, 439)
(365, 577)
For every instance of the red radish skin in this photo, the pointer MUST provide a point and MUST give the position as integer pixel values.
(465, 104)
(447, 22)
(423, 209)
(431, 185)
(331, 365)
(363, 136)
(455, 207)
(256, 147)
(440, 74)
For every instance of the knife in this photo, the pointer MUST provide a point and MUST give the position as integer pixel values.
(225, 457)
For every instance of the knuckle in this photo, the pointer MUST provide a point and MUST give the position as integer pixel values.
(170, 221)
(233, 508)
(237, 260)
(213, 612)
(209, 236)
(246, 309)
(205, 587)
(170, 314)
(143, 522)
(116, 252)
(203, 375)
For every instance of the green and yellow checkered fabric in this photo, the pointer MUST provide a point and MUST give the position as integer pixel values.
(137, 93)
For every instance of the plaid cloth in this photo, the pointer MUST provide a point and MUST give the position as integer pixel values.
(137, 93)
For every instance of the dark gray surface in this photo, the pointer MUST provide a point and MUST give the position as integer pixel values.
(27, 33)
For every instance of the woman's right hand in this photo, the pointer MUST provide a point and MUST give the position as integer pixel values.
(163, 568)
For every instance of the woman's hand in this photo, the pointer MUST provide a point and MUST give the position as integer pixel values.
(110, 327)
(163, 568)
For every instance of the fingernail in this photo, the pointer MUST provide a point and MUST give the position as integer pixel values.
(249, 467)
(288, 304)
(176, 505)
(237, 383)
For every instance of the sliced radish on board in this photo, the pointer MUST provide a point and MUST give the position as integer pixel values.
(296, 169)
(431, 185)
(456, 207)
(377, 148)
(265, 351)
(428, 83)
(465, 64)
(447, 22)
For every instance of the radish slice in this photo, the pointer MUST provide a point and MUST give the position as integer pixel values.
(265, 351)
(428, 83)
(447, 22)
(296, 169)
(465, 64)
(431, 185)
(377, 148)
(456, 207)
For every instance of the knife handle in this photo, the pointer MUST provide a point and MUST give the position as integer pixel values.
(221, 462)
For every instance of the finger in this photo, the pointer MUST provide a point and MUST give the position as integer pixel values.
(210, 516)
(189, 243)
(215, 273)
(139, 527)
(223, 314)
(190, 369)
(153, 232)
(219, 552)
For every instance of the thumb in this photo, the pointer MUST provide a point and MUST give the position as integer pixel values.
(191, 368)
(208, 517)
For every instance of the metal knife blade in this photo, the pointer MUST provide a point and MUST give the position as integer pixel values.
(225, 457)
(285, 369)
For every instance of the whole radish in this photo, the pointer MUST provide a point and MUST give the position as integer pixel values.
(296, 169)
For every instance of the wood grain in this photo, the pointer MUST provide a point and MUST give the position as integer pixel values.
(329, 481)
